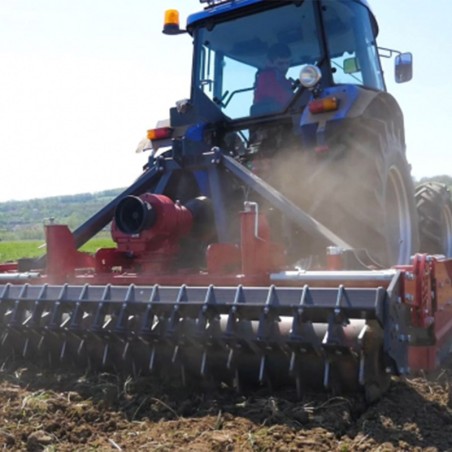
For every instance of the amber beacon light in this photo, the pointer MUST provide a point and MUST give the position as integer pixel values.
(171, 24)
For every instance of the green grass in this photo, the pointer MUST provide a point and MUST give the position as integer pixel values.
(13, 250)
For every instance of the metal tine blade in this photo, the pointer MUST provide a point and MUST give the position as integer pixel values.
(342, 295)
(147, 320)
(125, 350)
(209, 302)
(36, 312)
(5, 292)
(4, 338)
(4, 302)
(17, 310)
(362, 359)
(174, 318)
(230, 358)
(80, 347)
(25, 348)
(152, 359)
(326, 375)
(77, 313)
(202, 323)
(262, 369)
(267, 318)
(302, 335)
(105, 354)
(63, 350)
(362, 364)
(203, 363)
(239, 299)
(40, 342)
(337, 321)
(155, 294)
(99, 316)
(121, 321)
(175, 353)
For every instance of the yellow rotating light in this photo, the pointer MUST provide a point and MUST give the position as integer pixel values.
(171, 23)
(310, 75)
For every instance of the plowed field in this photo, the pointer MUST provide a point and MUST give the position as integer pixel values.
(65, 411)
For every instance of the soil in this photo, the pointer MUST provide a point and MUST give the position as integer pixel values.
(67, 411)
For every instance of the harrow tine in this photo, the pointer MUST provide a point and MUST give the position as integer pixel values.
(326, 375)
(25, 348)
(152, 359)
(203, 363)
(63, 350)
(229, 359)
(361, 375)
(105, 355)
(80, 347)
(125, 350)
(262, 369)
(175, 354)
(40, 342)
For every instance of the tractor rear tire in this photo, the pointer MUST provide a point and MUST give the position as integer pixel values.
(361, 189)
(434, 206)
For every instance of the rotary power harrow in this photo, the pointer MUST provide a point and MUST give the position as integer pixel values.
(263, 243)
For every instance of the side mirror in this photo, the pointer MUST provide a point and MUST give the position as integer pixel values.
(403, 67)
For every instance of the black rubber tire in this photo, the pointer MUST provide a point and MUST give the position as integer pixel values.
(361, 189)
(434, 206)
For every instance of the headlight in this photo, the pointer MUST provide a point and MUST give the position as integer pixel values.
(310, 75)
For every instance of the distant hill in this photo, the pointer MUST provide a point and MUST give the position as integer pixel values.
(23, 220)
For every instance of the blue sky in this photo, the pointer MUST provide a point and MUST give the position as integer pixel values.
(83, 80)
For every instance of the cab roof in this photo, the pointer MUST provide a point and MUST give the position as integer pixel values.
(220, 7)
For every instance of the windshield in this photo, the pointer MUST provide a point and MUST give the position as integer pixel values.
(248, 66)
(351, 44)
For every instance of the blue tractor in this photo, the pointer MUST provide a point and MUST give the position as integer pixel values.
(333, 142)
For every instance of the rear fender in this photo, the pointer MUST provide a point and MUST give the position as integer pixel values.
(354, 103)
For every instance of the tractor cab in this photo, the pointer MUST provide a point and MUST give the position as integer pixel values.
(234, 53)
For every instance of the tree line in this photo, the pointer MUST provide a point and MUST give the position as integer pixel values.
(24, 220)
